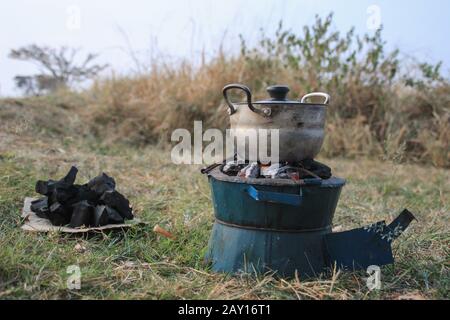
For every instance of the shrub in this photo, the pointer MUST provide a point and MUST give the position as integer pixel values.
(380, 106)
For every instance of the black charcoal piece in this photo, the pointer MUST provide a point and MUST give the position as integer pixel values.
(101, 184)
(100, 216)
(323, 171)
(40, 207)
(48, 187)
(62, 194)
(83, 193)
(118, 202)
(58, 214)
(45, 187)
(70, 177)
(95, 203)
(113, 216)
(81, 215)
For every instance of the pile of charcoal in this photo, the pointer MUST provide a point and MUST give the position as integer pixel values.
(93, 204)
(305, 169)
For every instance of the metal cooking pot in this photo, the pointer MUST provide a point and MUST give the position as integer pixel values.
(301, 123)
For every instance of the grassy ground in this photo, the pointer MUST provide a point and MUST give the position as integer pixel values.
(140, 264)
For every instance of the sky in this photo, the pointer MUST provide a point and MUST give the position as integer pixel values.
(185, 29)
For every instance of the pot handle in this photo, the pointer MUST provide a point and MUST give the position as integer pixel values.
(265, 112)
(326, 96)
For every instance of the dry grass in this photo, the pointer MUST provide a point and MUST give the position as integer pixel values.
(140, 264)
(145, 110)
(380, 104)
(122, 126)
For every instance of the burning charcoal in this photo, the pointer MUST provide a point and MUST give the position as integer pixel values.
(58, 214)
(100, 216)
(250, 171)
(232, 168)
(294, 175)
(306, 174)
(118, 202)
(40, 207)
(319, 169)
(82, 214)
(102, 183)
(113, 216)
(285, 172)
(270, 171)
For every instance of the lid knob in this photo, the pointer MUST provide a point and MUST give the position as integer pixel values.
(278, 93)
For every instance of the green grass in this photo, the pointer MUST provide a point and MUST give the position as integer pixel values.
(140, 264)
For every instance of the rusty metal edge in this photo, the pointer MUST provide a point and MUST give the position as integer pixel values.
(216, 173)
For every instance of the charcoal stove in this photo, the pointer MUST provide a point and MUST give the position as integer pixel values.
(284, 225)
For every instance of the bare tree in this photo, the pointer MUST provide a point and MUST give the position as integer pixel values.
(58, 68)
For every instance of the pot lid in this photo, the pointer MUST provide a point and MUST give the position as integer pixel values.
(278, 95)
